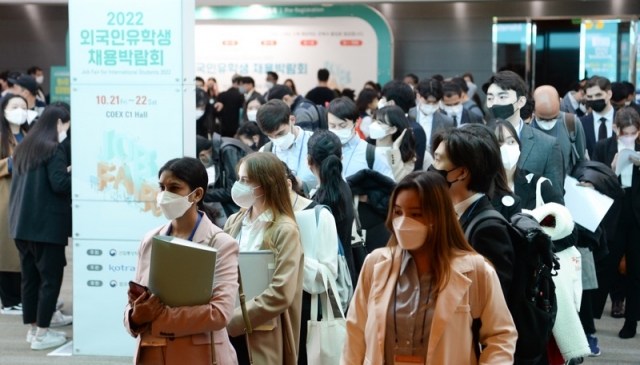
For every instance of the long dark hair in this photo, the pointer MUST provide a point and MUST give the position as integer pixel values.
(496, 125)
(191, 171)
(394, 116)
(42, 141)
(325, 153)
(5, 130)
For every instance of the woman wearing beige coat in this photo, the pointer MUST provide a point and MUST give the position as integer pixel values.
(417, 297)
(267, 222)
(182, 335)
(13, 127)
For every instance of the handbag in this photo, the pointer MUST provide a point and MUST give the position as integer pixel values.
(325, 338)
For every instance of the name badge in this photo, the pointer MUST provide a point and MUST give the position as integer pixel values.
(408, 360)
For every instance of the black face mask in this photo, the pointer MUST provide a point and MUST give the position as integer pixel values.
(503, 111)
(597, 105)
(443, 173)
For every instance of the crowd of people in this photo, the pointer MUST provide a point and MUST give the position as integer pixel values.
(418, 183)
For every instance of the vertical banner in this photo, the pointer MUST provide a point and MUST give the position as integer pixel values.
(599, 49)
(60, 89)
(133, 97)
(352, 41)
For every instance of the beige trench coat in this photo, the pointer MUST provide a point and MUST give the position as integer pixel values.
(9, 256)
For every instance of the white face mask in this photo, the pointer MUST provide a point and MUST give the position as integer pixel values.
(252, 115)
(62, 136)
(377, 131)
(199, 113)
(345, 135)
(628, 141)
(627, 103)
(472, 89)
(382, 103)
(31, 116)
(173, 205)
(16, 116)
(428, 109)
(510, 155)
(269, 85)
(546, 124)
(40, 79)
(453, 110)
(242, 194)
(285, 142)
(410, 233)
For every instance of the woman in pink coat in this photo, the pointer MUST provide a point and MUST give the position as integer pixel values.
(182, 335)
(416, 298)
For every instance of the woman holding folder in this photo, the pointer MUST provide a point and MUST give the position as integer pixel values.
(267, 222)
(624, 240)
(182, 335)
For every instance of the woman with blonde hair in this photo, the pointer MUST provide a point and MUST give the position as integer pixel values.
(267, 222)
(417, 298)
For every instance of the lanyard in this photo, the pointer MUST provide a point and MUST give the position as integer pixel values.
(192, 232)
(350, 158)
(520, 129)
(424, 318)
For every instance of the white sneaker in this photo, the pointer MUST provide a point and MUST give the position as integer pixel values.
(15, 310)
(49, 340)
(59, 304)
(32, 333)
(59, 319)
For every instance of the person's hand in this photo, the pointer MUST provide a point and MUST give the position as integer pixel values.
(615, 162)
(586, 184)
(363, 198)
(145, 309)
(398, 141)
(133, 297)
(634, 160)
(218, 106)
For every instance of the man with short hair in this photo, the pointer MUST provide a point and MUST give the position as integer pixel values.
(288, 141)
(228, 107)
(321, 94)
(469, 163)
(247, 87)
(272, 80)
(4, 84)
(573, 100)
(400, 94)
(36, 73)
(551, 121)
(452, 104)
(506, 95)
(200, 82)
(27, 87)
(427, 112)
(305, 111)
(598, 124)
(467, 103)
(412, 80)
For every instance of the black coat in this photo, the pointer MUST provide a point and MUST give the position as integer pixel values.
(589, 131)
(40, 202)
(491, 239)
(229, 116)
(421, 143)
(507, 211)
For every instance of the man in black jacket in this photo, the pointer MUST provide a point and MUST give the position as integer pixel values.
(228, 107)
(469, 163)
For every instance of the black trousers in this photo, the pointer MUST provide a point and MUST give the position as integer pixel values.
(626, 242)
(618, 290)
(10, 283)
(42, 270)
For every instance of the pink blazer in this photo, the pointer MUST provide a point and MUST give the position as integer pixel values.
(450, 340)
(182, 335)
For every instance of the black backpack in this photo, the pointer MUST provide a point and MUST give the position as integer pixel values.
(532, 297)
(320, 123)
(220, 144)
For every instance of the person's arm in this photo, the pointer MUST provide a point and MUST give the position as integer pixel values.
(354, 349)
(498, 333)
(325, 256)
(491, 239)
(58, 174)
(143, 254)
(213, 316)
(286, 282)
(581, 139)
(554, 168)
